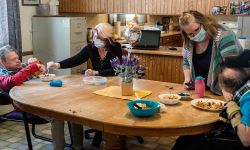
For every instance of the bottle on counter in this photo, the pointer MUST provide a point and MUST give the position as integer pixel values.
(200, 87)
(54, 4)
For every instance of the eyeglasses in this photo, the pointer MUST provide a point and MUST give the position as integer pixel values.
(195, 32)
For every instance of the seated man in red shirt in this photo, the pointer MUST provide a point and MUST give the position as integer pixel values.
(12, 72)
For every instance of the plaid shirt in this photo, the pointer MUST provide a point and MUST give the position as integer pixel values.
(241, 91)
(5, 72)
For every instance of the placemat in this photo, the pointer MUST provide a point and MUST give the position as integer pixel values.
(115, 91)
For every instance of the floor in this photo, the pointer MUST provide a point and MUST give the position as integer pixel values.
(12, 137)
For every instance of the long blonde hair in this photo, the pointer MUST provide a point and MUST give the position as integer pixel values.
(209, 24)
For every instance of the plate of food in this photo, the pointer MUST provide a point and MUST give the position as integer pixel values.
(208, 104)
(169, 99)
(47, 77)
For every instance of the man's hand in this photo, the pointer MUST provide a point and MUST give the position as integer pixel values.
(42, 69)
(228, 96)
(32, 60)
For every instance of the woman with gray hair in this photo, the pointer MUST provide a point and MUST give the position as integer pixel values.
(100, 52)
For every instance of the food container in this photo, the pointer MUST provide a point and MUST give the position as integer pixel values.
(184, 96)
(151, 107)
(94, 80)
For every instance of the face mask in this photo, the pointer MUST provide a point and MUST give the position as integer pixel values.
(200, 36)
(99, 43)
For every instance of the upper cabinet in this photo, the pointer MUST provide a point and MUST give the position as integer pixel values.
(154, 7)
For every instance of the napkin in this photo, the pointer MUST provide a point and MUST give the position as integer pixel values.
(115, 91)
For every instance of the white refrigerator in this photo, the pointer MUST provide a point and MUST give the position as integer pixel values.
(58, 38)
(243, 26)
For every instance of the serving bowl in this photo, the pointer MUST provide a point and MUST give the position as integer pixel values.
(94, 80)
(47, 77)
(169, 99)
(184, 96)
(143, 108)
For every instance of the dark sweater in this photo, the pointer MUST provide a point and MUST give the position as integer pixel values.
(103, 66)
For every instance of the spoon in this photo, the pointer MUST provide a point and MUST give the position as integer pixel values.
(169, 88)
(137, 106)
(137, 96)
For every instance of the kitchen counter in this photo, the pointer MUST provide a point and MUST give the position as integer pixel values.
(162, 64)
(165, 34)
(163, 50)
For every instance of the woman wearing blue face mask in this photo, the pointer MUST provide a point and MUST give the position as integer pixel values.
(206, 45)
(100, 52)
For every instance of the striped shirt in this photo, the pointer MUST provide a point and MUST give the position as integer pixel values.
(225, 44)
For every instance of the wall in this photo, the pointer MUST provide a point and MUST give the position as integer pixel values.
(26, 12)
(4, 36)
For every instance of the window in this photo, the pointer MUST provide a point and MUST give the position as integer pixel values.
(4, 36)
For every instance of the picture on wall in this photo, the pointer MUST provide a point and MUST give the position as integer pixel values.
(30, 2)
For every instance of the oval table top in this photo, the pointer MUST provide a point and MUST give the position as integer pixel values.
(76, 102)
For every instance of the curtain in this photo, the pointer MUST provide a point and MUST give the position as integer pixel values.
(4, 36)
(14, 28)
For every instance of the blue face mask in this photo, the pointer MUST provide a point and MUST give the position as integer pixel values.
(99, 43)
(200, 36)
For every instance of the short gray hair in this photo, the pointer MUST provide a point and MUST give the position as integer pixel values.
(4, 50)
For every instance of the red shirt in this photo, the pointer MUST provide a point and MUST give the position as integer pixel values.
(7, 82)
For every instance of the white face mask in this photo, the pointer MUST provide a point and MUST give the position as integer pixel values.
(199, 36)
(99, 43)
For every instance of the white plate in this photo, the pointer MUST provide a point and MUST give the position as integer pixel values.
(169, 101)
(47, 77)
(207, 101)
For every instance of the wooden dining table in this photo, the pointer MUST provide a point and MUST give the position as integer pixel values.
(76, 102)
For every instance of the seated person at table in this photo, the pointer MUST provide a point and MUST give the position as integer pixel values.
(13, 72)
(100, 52)
(235, 85)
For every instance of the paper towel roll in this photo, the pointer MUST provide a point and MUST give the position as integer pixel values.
(118, 28)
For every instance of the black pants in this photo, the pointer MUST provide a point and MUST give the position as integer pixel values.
(5, 99)
(200, 142)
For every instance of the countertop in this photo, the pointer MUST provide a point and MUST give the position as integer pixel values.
(169, 33)
(163, 50)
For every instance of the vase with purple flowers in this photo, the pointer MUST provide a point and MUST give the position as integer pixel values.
(128, 69)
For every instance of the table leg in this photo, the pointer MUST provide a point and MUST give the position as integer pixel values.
(114, 142)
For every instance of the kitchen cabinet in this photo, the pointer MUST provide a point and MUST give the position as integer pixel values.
(171, 40)
(162, 65)
(154, 7)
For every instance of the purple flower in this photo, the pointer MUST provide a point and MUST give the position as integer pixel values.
(129, 68)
